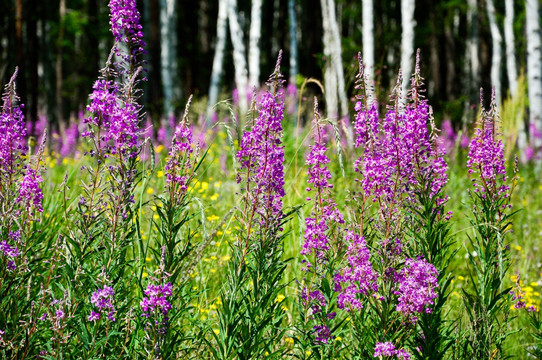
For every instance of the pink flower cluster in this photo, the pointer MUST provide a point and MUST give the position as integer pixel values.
(156, 302)
(324, 212)
(179, 156)
(12, 130)
(103, 299)
(261, 153)
(125, 24)
(358, 278)
(387, 349)
(29, 190)
(417, 287)
(117, 121)
(486, 158)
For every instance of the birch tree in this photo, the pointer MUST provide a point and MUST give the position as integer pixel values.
(496, 52)
(218, 59)
(534, 68)
(293, 40)
(368, 38)
(407, 42)
(168, 54)
(239, 58)
(330, 77)
(472, 56)
(509, 40)
(511, 67)
(333, 72)
(254, 43)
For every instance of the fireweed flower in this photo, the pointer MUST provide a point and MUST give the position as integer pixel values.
(116, 122)
(314, 299)
(400, 148)
(12, 131)
(486, 159)
(155, 302)
(324, 212)
(126, 27)
(322, 333)
(417, 287)
(358, 278)
(29, 190)
(387, 349)
(179, 165)
(9, 254)
(261, 153)
(103, 299)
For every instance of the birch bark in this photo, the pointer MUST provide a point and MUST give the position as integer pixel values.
(239, 57)
(218, 59)
(534, 70)
(496, 52)
(254, 44)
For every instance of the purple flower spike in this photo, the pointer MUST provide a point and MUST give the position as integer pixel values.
(387, 349)
(261, 153)
(103, 299)
(417, 287)
(486, 158)
(358, 278)
(156, 301)
(325, 212)
(29, 190)
(179, 164)
(126, 27)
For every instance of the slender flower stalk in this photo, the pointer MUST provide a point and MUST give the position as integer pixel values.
(488, 301)
(321, 248)
(181, 162)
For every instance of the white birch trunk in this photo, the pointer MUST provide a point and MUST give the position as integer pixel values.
(254, 44)
(168, 53)
(473, 59)
(496, 53)
(293, 40)
(534, 68)
(330, 80)
(218, 59)
(239, 57)
(407, 43)
(336, 58)
(509, 40)
(511, 68)
(368, 38)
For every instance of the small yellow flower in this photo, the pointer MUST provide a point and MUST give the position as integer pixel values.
(226, 258)
(518, 248)
(159, 148)
(145, 274)
(279, 298)
(534, 283)
(308, 353)
(65, 161)
(159, 174)
(460, 278)
(148, 259)
(150, 191)
(213, 218)
(156, 217)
